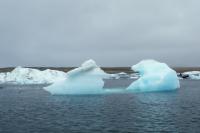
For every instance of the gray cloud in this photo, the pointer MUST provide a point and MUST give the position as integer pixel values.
(114, 33)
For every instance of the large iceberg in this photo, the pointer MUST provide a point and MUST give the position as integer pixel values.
(22, 75)
(154, 76)
(87, 79)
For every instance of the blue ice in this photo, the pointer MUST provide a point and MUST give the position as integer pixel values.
(154, 76)
(88, 79)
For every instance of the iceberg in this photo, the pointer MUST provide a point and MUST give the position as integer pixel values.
(89, 78)
(86, 79)
(22, 75)
(195, 75)
(154, 76)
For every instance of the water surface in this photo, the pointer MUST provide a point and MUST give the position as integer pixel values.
(29, 108)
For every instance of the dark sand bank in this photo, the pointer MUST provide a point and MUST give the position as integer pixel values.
(106, 69)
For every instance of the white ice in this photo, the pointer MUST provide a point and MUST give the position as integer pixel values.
(154, 76)
(87, 79)
(195, 75)
(31, 76)
(121, 75)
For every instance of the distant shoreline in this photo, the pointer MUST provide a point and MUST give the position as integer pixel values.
(106, 69)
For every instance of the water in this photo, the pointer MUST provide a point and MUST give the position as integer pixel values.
(25, 109)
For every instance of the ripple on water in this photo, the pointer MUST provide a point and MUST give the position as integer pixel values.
(30, 109)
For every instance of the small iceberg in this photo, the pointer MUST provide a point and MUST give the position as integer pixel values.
(194, 75)
(121, 75)
(154, 76)
(22, 75)
(87, 79)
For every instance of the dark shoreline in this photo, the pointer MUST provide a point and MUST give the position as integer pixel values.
(106, 69)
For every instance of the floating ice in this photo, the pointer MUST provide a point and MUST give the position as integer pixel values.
(134, 76)
(2, 77)
(192, 75)
(31, 76)
(155, 76)
(121, 75)
(87, 79)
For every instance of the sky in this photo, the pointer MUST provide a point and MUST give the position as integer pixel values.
(63, 33)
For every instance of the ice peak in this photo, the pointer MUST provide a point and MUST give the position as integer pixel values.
(89, 63)
(89, 67)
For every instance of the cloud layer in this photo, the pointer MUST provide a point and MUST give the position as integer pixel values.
(114, 33)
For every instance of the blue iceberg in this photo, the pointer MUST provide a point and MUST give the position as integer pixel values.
(87, 79)
(154, 76)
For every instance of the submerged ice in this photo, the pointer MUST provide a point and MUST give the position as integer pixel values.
(87, 79)
(154, 76)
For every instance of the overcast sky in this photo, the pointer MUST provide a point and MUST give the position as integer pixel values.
(112, 32)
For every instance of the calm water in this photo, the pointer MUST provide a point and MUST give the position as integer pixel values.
(25, 109)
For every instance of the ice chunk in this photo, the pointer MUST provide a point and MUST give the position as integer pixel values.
(31, 76)
(2, 77)
(87, 79)
(192, 75)
(121, 75)
(114, 76)
(154, 76)
(134, 76)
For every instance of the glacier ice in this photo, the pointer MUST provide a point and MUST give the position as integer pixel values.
(195, 75)
(87, 79)
(154, 76)
(31, 76)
